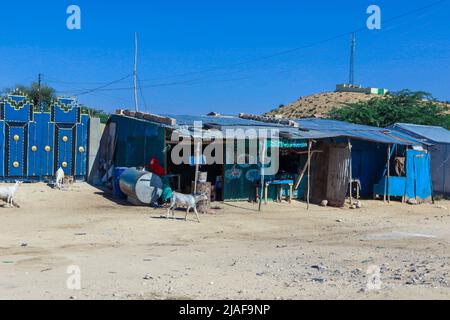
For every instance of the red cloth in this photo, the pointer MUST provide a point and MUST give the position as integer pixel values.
(156, 168)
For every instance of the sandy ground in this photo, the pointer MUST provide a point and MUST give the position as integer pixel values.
(286, 252)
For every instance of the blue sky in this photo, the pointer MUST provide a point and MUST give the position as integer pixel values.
(180, 41)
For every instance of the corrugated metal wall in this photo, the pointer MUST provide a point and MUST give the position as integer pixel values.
(440, 168)
(137, 141)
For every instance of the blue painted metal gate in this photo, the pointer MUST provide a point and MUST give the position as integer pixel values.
(33, 145)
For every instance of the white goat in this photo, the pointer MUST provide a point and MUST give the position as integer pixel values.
(185, 200)
(7, 194)
(59, 178)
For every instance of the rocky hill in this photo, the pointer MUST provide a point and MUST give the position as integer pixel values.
(319, 105)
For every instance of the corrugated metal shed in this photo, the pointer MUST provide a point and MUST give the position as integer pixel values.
(430, 133)
(438, 139)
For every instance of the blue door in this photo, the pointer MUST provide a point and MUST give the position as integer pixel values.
(16, 150)
(65, 147)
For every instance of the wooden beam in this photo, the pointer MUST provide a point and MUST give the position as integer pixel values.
(309, 173)
(160, 119)
(269, 119)
(388, 173)
(147, 116)
(300, 176)
(350, 170)
(263, 187)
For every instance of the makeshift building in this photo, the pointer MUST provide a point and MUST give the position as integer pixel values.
(366, 156)
(132, 140)
(331, 157)
(438, 141)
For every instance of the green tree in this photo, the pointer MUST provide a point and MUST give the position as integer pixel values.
(404, 106)
(47, 94)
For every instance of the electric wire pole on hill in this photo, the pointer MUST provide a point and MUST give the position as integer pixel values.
(351, 79)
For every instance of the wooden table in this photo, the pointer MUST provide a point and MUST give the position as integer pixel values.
(279, 184)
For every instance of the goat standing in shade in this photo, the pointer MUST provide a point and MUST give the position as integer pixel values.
(185, 200)
(7, 194)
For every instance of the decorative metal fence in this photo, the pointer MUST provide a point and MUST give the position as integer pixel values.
(34, 145)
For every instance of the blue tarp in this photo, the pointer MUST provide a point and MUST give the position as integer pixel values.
(418, 183)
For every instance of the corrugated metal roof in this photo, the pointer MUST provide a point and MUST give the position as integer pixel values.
(309, 129)
(356, 131)
(431, 133)
(189, 120)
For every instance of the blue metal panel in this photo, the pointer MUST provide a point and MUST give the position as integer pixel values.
(16, 138)
(397, 186)
(2, 149)
(368, 161)
(66, 110)
(16, 108)
(33, 160)
(418, 183)
(33, 145)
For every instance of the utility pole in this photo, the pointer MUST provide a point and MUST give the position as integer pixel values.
(40, 105)
(136, 109)
(352, 60)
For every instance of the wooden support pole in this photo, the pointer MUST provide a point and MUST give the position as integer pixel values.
(263, 187)
(197, 165)
(388, 173)
(300, 177)
(350, 169)
(309, 173)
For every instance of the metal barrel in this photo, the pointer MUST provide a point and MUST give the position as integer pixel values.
(141, 187)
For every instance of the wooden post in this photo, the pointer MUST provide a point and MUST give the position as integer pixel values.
(197, 165)
(350, 171)
(136, 109)
(309, 173)
(263, 187)
(388, 173)
(291, 193)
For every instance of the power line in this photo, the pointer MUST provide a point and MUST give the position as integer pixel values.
(142, 94)
(56, 81)
(103, 86)
(245, 62)
(285, 52)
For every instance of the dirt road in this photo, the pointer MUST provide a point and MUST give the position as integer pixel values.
(287, 252)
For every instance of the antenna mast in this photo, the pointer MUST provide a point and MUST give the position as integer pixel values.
(135, 71)
(352, 60)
